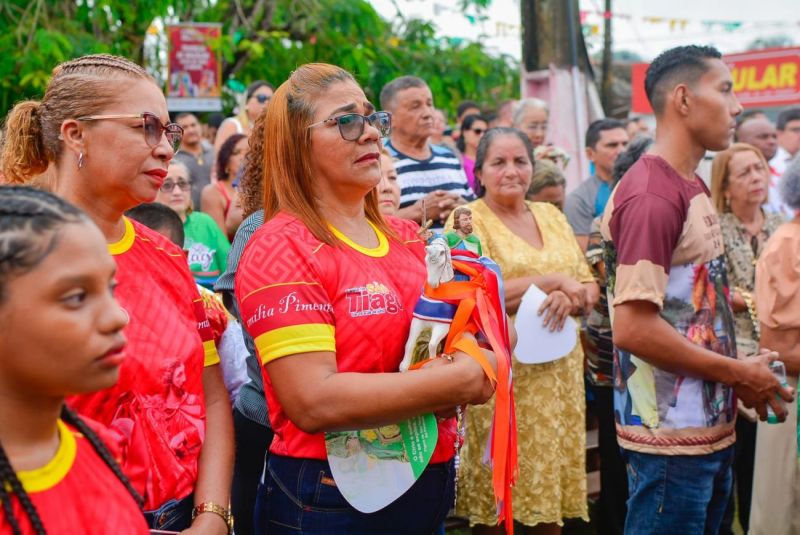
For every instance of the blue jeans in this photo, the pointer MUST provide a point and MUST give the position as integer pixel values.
(299, 496)
(684, 494)
(174, 515)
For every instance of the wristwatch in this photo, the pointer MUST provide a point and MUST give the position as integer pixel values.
(211, 507)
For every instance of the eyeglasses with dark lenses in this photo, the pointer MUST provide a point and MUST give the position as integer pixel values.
(169, 185)
(351, 125)
(151, 125)
(478, 131)
(262, 98)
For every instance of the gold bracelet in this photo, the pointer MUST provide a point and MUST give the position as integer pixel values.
(211, 507)
(747, 297)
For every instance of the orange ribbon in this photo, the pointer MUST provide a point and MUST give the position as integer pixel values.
(477, 313)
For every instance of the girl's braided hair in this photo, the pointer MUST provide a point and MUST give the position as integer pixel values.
(30, 220)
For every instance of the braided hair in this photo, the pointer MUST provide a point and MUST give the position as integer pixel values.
(78, 87)
(29, 223)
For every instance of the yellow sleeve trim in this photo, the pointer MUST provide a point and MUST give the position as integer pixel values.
(211, 356)
(126, 241)
(307, 338)
(51, 474)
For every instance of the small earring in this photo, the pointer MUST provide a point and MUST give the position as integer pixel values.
(80, 160)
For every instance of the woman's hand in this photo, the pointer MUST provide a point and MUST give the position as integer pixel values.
(575, 291)
(483, 386)
(592, 296)
(556, 309)
(207, 524)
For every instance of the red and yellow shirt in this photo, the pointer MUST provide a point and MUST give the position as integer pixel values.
(299, 295)
(157, 405)
(76, 493)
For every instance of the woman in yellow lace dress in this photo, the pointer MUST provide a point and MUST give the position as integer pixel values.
(532, 243)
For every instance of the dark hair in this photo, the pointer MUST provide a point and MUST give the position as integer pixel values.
(255, 86)
(215, 119)
(787, 115)
(789, 185)
(629, 156)
(486, 142)
(682, 64)
(466, 124)
(159, 216)
(9, 479)
(749, 114)
(251, 183)
(225, 153)
(30, 220)
(464, 105)
(29, 223)
(599, 126)
(390, 90)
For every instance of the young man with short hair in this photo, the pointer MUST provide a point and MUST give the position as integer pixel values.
(676, 375)
(605, 139)
(788, 126)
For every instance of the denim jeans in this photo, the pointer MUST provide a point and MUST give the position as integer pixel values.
(678, 494)
(252, 440)
(300, 496)
(174, 515)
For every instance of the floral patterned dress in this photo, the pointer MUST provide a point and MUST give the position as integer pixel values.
(741, 260)
(549, 397)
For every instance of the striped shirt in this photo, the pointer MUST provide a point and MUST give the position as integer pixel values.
(417, 178)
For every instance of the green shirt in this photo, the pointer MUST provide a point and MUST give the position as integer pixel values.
(470, 243)
(206, 248)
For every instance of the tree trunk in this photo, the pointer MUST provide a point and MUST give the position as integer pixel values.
(546, 34)
(606, 85)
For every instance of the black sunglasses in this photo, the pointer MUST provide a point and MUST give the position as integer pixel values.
(151, 125)
(478, 131)
(262, 98)
(351, 125)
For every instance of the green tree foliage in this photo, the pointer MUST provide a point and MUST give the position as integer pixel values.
(263, 39)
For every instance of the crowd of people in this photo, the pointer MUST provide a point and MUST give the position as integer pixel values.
(187, 309)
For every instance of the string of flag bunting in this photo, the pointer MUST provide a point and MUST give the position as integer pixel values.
(592, 22)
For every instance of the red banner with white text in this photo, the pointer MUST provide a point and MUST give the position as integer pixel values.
(194, 81)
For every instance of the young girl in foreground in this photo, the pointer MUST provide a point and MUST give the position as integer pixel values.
(62, 335)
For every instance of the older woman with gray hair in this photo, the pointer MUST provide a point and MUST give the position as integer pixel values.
(776, 478)
(531, 115)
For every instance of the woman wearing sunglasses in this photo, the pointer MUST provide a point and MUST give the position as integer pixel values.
(100, 130)
(256, 99)
(205, 244)
(472, 129)
(341, 281)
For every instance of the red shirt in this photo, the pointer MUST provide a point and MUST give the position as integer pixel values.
(299, 295)
(157, 405)
(76, 493)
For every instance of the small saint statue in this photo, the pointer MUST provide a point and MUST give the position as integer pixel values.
(461, 237)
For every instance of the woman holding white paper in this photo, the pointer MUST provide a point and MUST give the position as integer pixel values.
(533, 244)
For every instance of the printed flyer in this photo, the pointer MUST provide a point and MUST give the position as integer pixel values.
(374, 467)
